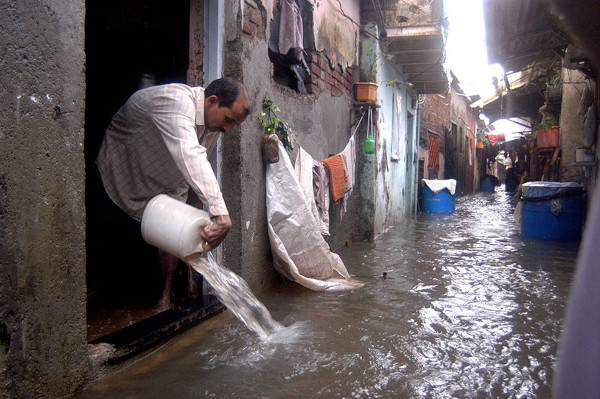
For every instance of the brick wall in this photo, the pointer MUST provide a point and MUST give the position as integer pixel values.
(253, 20)
(323, 77)
(435, 116)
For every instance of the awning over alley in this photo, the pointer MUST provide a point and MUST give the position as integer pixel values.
(516, 95)
(421, 51)
(415, 34)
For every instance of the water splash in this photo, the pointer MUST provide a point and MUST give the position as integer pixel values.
(235, 294)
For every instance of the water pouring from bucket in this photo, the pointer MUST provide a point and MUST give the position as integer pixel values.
(175, 227)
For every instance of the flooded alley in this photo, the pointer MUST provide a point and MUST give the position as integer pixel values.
(466, 309)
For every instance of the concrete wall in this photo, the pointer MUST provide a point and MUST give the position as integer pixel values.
(570, 135)
(42, 215)
(391, 167)
(320, 120)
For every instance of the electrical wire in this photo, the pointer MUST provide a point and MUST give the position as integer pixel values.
(354, 22)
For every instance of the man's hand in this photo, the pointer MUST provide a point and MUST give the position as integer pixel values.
(212, 235)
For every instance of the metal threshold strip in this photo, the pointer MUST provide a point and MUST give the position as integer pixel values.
(148, 332)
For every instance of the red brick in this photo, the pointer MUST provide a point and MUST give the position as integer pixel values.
(323, 63)
(314, 68)
(347, 79)
(314, 79)
(248, 27)
(329, 79)
(255, 17)
(313, 57)
(311, 88)
(337, 76)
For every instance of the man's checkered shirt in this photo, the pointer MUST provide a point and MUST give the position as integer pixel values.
(157, 144)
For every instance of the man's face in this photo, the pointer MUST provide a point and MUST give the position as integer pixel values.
(223, 119)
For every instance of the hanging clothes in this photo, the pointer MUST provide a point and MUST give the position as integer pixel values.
(336, 176)
(349, 157)
(291, 33)
(304, 173)
(321, 193)
(299, 251)
(286, 44)
(347, 183)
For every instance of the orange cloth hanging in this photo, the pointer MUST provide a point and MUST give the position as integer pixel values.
(336, 176)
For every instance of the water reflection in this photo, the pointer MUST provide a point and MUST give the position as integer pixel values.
(468, 309)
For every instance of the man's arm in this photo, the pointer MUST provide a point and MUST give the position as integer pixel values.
(175, 118)
(212, 235)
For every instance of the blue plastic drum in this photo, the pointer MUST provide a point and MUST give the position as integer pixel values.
(440, 202)
(553, 211)
(488, 185)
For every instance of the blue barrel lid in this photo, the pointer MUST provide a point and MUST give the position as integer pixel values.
(549, 189)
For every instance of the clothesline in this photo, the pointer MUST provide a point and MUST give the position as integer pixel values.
(351, 136)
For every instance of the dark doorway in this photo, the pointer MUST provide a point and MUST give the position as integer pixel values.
(130, 44)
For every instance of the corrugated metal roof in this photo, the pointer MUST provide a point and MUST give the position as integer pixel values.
(521, 32)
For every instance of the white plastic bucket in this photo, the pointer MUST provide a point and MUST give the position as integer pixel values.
(174, 226)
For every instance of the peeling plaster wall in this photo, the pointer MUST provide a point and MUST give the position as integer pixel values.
(335, 33)
(42, 216)
(393, 183)
(321, 124)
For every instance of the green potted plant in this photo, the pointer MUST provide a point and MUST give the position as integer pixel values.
(366, 89)
(553, 85)
(269, 120)
(482, 139)
(547, 131)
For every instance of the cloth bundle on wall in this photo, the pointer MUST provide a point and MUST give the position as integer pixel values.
(299, 251)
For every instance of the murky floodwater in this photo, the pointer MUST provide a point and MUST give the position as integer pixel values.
(468, 310)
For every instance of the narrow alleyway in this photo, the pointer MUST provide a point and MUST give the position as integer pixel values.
(468, 309)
